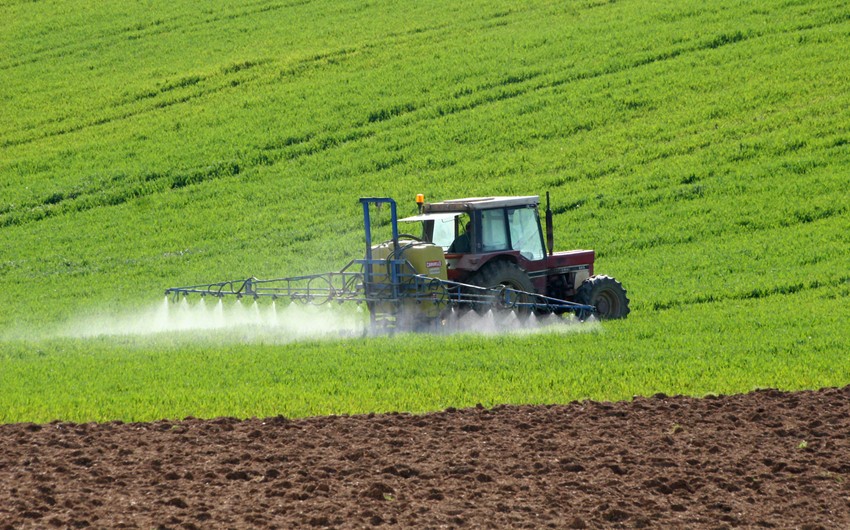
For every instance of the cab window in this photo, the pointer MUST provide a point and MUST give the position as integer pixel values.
(525, 233)
(494, 234)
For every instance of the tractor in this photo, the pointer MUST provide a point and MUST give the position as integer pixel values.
(475, 254)
(495, 242)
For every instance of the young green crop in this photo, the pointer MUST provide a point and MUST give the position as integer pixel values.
(701, 150)
(750, 343)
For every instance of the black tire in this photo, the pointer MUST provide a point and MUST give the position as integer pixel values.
(606, 294)
(497, 274)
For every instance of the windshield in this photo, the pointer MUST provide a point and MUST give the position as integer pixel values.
(444, 226)
(444, 232)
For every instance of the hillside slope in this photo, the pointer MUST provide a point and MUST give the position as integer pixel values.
(702, 150)
(664, 134)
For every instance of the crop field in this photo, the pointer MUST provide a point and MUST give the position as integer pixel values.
(703, 151)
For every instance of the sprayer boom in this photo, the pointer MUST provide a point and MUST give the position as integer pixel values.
(350, 286)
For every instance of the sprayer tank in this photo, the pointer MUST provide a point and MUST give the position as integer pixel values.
(425, 258)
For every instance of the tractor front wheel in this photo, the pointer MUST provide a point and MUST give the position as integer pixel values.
(606, 294)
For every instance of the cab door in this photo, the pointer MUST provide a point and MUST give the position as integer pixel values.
(525, 233)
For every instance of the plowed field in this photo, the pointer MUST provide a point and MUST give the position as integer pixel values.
(767, 459)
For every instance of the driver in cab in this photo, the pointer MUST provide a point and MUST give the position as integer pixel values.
(462, 243)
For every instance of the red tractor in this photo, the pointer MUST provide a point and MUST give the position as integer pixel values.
(477, 254)
(499, 241)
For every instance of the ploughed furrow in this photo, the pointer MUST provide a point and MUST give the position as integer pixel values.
(764, 459)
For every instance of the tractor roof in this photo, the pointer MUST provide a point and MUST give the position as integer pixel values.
(479, 203)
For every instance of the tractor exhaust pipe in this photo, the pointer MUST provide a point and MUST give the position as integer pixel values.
(550, 229)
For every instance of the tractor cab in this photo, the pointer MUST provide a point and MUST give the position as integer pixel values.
(484, 225)
(497, 242)
(477, 230)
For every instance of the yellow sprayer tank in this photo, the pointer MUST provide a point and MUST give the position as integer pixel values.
(425, 259)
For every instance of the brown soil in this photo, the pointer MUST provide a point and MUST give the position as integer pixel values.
(762, 460)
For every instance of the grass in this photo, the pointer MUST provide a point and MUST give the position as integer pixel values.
(139, 378)
(702, 150)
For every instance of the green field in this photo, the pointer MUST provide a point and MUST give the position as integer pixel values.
(703, 151)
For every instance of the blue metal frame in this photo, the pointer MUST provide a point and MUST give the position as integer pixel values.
(369, 262)
(367, 225)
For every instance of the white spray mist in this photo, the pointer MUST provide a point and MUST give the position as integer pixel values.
(275, 322)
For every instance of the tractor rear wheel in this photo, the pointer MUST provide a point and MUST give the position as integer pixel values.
(606, 294)
(498, 274)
